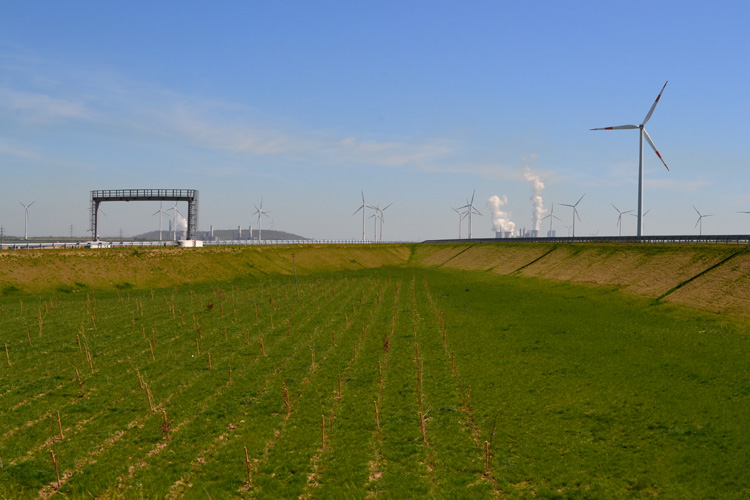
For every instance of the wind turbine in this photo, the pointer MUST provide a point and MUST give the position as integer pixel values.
(551, 216)
(26, 219)
(174, 220)
(575, 212)
(362, 207)
(700, 220)
(619, 218)
(642, 133)
(260, 213)
(382, 218)
(160, 212)
(471, 209)
(461, 216)
(644, 217)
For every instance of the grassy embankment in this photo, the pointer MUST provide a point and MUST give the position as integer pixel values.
(580, 391)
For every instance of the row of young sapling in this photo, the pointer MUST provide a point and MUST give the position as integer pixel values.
(265, 302)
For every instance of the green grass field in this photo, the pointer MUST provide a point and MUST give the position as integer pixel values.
(411, 373)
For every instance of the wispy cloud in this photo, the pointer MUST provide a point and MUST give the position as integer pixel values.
(38, 107)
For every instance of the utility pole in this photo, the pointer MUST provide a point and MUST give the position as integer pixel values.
(71, 231)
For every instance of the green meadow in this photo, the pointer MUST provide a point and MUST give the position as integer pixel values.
(384, 371)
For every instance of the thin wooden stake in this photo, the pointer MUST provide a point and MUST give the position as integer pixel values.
(165, 427)
(148, 393)
(287, 402)
(151, 346)
(198, 347)
(209, 360)
(262, 346)
(377, 414)
(57, 474)
(80, 383)
(421, 421)
(28, 335)
(59, 425)
(230, 374)
(334, 337)
(7, 355)
(339, 386)
(323, 429)
(247, 464)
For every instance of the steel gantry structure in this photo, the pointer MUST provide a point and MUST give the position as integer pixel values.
(188, 195)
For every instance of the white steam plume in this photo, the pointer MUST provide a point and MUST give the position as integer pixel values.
(180, 224)
(500, 220)
(537, 210)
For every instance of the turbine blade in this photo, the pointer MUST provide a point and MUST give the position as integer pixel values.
(360, 208)
(696, 224)
(696, 211)
(386, 207)
(566, 205)
(579, 199)
(576, 212)
(648, 139)
(472, 197)
(613, 206)
(558, 218)
(650, 111)
(619, 127)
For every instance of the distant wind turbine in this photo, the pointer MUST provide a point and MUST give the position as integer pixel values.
(381, 216)
(551, 216)
(461, 217)
(644, 219)
(26, 219)
(260, 213)
(575, 212)
(700, 220)
(362, 207)
(470, 209)
(174, 220)
(619, 218)
(642, 134)
(160, 212)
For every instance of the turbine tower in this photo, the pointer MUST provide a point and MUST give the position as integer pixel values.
(642, 133)
(260, 213)
(575, 212)
(551, 216)
(462, 216)
(619, 218)
(700, 220)
(470, 209)
(174, 220)
(362, 207)
(160, 212)
(26, 219)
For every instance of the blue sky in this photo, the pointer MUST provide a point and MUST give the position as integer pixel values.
(304, 104)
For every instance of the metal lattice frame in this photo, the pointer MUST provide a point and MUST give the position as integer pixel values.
(188, 195)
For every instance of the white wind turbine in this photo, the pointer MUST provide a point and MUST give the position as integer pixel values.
(575, 212)
(382, 219)
(551, 216)
(362, 207)
(619, 218)
(174, 220)
(461, 217)
(700, 220)
(26, 219)
(160, 212)
(470, 209)
(260, 213)
(642, 134)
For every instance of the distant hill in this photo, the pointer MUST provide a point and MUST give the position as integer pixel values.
(224, 235)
